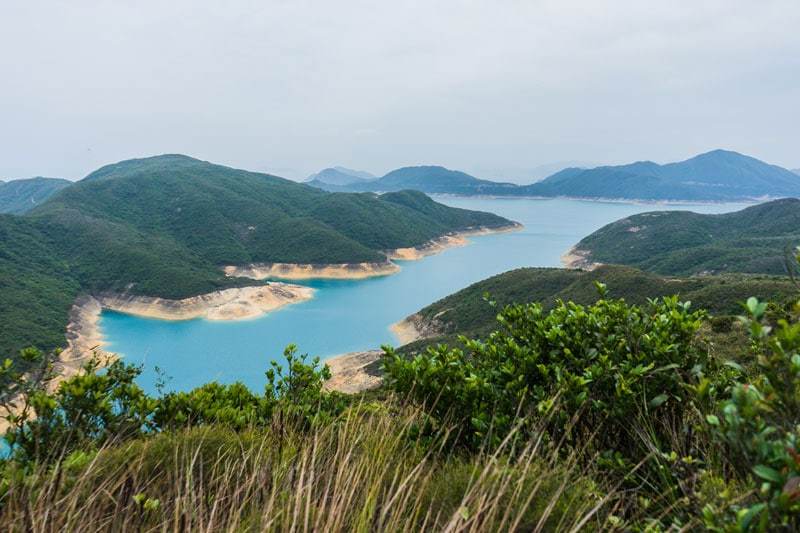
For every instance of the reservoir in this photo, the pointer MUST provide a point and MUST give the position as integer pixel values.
(352, 315)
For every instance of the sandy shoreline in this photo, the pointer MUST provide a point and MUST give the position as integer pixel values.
(354, 372)
(295, 271)
(299, 271)
(575, 258)
(85, 340)
(406, 331)
(416, 327)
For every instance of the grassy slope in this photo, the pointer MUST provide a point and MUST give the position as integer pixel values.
(163, 226)
(680, 242)
(467, 312)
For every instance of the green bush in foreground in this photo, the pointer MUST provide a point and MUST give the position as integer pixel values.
(95, 407)
(758, 428)
(630, 391)
(610, 362)
(609, 416)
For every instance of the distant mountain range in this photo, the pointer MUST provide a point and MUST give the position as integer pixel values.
(796, 171)
(714, 176)
(427, 179)
(718, 175)
(339, 176)
(20, 196)
(164, 226)
(753, 240)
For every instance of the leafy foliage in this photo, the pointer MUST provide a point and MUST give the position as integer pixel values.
(94, 408)
(611, 362)
(757, 425)
(472, 311)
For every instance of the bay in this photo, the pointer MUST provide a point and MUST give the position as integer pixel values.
(351, 315)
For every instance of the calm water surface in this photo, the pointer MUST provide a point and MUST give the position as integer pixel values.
(346, 316)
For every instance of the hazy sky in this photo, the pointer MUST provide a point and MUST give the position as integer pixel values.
(493, 87)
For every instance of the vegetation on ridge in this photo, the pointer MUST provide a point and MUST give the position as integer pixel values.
(752, 240)
(472, 311)
(164, 226)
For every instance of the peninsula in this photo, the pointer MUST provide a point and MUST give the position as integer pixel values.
(174, 228)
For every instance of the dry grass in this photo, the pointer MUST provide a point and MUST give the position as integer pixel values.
(363, 473)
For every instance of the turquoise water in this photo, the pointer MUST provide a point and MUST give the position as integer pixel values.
(346, 316)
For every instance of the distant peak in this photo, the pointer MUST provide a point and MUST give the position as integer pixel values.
(143, 164)
(719, 153)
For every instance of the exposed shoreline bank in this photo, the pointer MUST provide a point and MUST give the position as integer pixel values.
(575, 258)
(85, 340)
(407, 330)
(297, 271)
(355, 371)
(416, 327)
(300, 271)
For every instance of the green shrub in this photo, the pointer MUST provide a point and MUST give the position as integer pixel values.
(757, 425)
(94, 408)
(605, 367)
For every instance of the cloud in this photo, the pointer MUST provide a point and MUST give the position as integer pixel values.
(470, 84)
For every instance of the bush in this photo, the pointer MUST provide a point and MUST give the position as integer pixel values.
(95, 408)
(605, 366)
(757, 426)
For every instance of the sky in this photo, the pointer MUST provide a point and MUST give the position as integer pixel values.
(498, 88)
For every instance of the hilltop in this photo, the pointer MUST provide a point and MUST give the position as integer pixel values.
(430, 179)
(164, 226)
(338, 176)
(681, 242)
(20, 196)
(718, 175)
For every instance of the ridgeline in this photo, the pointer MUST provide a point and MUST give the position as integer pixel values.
(163, 226)
(753, 240)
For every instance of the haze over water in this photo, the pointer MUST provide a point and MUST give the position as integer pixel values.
(346, 316)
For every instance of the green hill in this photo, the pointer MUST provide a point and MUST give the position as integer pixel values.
(20, 196)
(163, 226)
(338, 176)
(428, 179)
(467, 312)
(681, 242)
(718, 175)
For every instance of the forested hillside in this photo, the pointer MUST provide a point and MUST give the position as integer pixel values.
(472, 311)
(163, 226)
(754, 240)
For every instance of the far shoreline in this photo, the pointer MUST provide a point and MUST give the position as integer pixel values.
(353, 271)
(603, 200)
(85, 339)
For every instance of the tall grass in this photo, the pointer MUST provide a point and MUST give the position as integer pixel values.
(365, 472)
